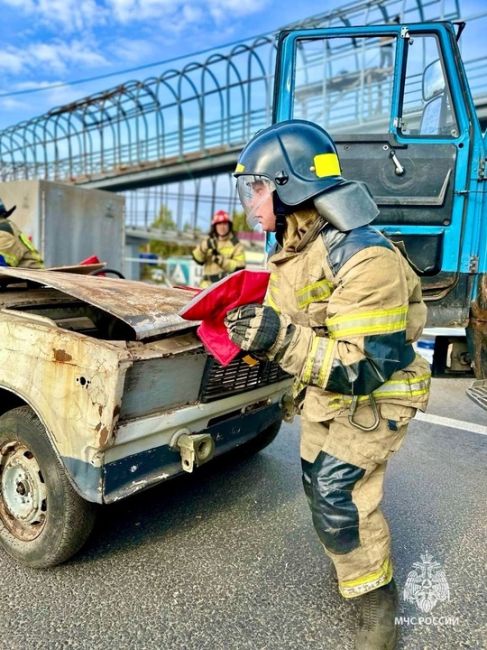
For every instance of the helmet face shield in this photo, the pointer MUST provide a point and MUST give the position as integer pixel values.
(255, 193)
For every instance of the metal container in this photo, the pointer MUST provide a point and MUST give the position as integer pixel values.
(68, 224)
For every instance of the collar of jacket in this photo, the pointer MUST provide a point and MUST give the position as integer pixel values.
(302, 228)
(230, 236)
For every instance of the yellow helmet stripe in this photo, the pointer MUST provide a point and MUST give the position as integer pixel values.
(326, 164)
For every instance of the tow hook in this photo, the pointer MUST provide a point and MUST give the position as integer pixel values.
(195, 449)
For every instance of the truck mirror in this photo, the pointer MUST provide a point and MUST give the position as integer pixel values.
(431, 118)
(433, 80)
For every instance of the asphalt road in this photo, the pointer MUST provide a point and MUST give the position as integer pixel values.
(227, 558)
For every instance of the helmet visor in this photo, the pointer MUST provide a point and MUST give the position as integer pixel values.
(254, 191)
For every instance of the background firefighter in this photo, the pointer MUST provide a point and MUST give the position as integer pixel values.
(342, 311)
(220, 253)
(16, 249)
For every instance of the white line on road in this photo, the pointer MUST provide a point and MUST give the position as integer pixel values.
(453, 424)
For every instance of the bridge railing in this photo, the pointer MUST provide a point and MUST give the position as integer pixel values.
(187, 113)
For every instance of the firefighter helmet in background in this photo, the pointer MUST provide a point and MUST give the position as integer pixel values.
(298, 157)
(3, 210)
(221, 216)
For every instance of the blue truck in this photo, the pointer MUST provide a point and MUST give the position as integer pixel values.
(397, 102)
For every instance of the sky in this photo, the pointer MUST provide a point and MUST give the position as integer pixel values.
(46, 42)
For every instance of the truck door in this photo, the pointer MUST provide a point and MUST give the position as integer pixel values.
(402, 117)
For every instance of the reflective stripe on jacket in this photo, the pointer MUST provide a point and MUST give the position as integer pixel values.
(357, 308)
(16, 249)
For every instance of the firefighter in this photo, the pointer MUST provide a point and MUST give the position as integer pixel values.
(220, 253)
(16, 249)
(342, 310)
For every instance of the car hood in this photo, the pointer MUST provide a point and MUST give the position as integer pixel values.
(150, 310)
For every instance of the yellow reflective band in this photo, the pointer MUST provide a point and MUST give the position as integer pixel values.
(326, 164)
(239, 168)
(413, 380)
(324, 373)
(401, 388)
(269, 300)
(316, 292)
(318, 364)
(12, 260)
(308, 368)
(374, 580)
(26, 241)
(380, 321)
(273, 292)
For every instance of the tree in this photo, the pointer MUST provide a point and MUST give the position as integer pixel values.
(164, 220)
(165, 249)
(240, 222)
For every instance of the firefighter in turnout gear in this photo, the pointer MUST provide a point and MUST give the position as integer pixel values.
(341, 313)
(220, 253)
(16, 249)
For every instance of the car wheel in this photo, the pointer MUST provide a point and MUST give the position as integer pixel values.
(43, 521)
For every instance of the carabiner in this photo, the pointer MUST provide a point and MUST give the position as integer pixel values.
(353, 408)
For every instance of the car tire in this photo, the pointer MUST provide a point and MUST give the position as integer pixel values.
(43, 521)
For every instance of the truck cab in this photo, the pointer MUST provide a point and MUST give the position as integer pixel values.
(396, 100)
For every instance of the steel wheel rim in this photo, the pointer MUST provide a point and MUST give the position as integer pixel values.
(23, 492)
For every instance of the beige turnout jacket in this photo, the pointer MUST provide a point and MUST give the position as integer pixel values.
(229, 248)
(16, 249)
(356, 306)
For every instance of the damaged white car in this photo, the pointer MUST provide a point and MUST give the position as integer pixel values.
(105, 391)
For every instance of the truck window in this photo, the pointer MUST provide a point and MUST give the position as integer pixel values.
(345, 84)
(426, 107)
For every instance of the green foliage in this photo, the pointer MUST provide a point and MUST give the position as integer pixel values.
(164, 221)
(240, 222)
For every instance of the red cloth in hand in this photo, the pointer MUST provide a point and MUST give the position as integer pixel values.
(212, 305)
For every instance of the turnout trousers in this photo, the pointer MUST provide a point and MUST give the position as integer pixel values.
(343, 475)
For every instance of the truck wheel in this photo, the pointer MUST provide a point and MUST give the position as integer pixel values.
(43, 521)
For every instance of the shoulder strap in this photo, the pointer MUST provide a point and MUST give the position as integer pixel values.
(341, 246)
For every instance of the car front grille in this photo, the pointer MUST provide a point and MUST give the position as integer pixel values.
(237, 377)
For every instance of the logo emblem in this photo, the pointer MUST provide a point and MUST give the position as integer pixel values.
(426, 585)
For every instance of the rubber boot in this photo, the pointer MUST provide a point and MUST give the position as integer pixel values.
(376, 623)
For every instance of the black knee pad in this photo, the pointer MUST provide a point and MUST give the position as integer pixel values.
(335, 516)
(306, 477)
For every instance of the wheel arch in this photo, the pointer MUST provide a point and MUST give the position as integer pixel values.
(11, 398)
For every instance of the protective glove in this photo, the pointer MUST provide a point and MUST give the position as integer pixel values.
(218, 259)
(258, 328)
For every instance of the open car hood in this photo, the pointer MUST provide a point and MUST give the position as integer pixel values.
(149, 310)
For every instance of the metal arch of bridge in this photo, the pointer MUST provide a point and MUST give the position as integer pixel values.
(141, 132)
(185, 123)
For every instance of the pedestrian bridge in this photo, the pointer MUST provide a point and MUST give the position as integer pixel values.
(190, 122)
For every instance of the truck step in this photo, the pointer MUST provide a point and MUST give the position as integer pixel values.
(478, 393)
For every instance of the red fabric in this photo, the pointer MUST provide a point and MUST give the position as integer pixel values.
(93, 259)
(212, 305)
